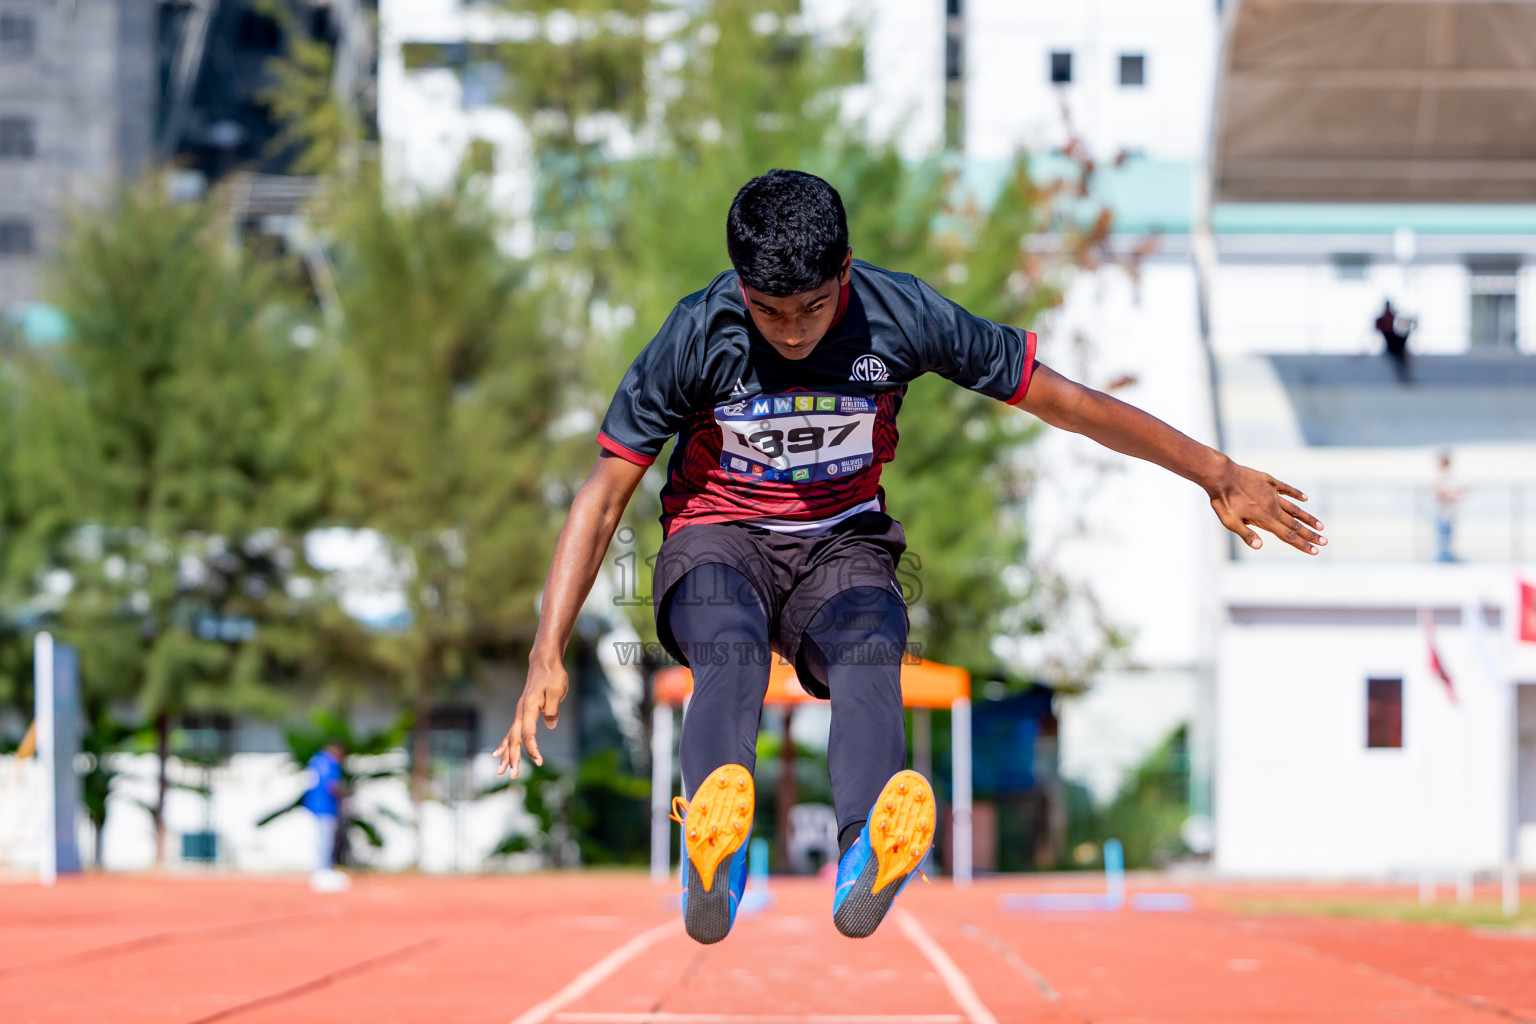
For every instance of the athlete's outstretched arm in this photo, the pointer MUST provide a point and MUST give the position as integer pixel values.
(594, 515)
(1240, 496)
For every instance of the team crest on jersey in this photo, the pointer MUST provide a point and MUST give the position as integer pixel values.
(869, 368)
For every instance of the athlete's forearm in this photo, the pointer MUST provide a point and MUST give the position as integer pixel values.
(1123, 428)
(595, 513)
(1240, 497)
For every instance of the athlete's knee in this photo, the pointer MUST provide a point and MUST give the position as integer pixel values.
(865, 625)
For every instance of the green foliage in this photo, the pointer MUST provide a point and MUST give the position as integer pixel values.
(1481, 915)
(326, 728)
(171, 462)
(170, 467)
(597, 814)
(102, 737)
(546, 794)
(445, 442)
(315, 126)
(1148, 812)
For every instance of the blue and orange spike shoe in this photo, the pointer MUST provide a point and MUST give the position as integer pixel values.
(880, 863)
(716, 826)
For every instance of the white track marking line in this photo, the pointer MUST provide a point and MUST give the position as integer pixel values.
(595, 975)
(954, 979)
(1012, 959)
(664, 1017)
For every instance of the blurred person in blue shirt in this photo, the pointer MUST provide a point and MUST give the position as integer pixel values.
(323, 800)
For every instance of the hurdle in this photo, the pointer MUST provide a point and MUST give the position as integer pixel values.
(1112, 898)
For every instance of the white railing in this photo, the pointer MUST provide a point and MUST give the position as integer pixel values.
(1385, 522)
(1309, 307)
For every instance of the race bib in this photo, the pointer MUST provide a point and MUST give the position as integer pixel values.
(797, 438)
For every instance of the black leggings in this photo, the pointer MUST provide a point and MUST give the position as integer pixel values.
(855, 642)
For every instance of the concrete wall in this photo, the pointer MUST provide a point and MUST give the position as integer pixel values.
(1011, 103)
(455, 837)
(1138, 542)
(1287, 295)
(1298, 792)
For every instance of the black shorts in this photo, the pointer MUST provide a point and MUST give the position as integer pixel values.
(793, 576)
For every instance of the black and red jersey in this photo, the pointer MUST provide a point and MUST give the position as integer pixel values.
(764, 437)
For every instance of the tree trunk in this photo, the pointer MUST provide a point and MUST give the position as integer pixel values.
(421, 760)
(163, 753)
(786, 795)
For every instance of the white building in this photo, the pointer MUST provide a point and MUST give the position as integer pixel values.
(1338, 749)
(1252, 324)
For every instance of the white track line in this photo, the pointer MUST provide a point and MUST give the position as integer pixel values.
(595, 975)
(663, 1017)
(1012, 959)
(954, 979)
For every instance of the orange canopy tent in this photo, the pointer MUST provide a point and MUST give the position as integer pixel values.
(924, 685)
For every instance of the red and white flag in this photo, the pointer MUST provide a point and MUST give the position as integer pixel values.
(1525, 614)
(1427, 623)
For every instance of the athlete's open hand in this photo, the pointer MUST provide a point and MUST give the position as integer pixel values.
(1244, 497)
(546, 687)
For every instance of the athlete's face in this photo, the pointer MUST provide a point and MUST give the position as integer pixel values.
(794, 324)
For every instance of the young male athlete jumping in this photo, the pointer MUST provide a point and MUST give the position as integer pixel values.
(781, 381)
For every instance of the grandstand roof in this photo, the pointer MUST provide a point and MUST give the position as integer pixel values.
(1377, 100)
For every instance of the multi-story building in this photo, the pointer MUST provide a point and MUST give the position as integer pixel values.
(1360, 155)
(94, 93)
(1376, 709)
(77, 108)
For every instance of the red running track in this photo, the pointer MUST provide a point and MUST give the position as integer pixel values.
(607, 948)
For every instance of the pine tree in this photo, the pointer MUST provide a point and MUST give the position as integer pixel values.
(448, 443)
(170, 467)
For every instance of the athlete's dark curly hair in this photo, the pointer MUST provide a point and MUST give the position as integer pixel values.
(786, 232)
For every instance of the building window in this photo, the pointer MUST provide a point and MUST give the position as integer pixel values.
(206, 738)
(953, 57)
(18, 36)
(455, 732)
(17, 141)
(480, 83)
(16, 238)
(1061, 68)
(1493, 303)
(1350, 266)
(257, 33)
(1133, 69)
(1384, 713)
(954, 75)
